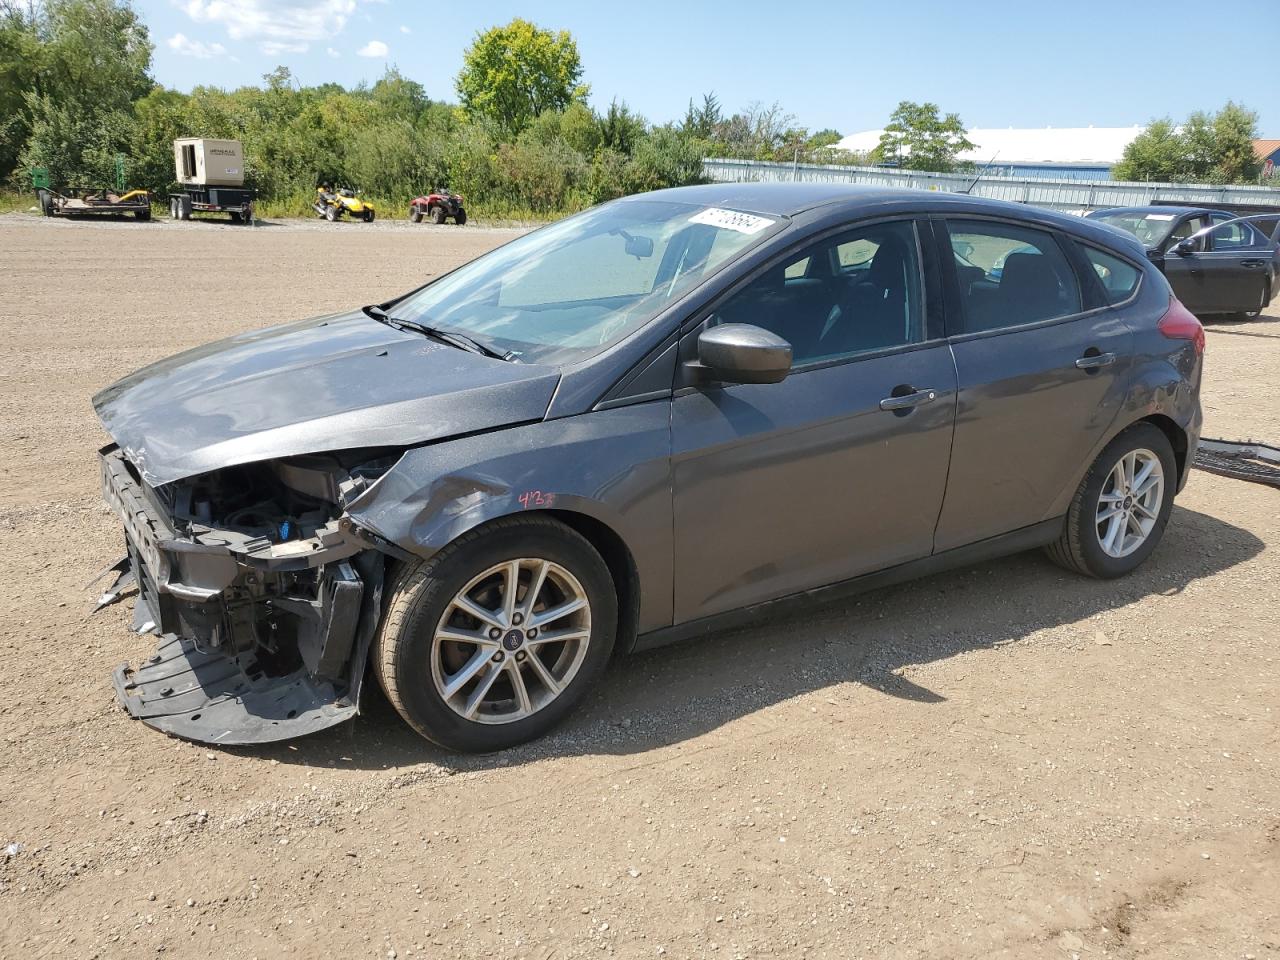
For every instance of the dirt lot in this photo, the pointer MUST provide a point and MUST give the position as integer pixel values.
(1005, 761)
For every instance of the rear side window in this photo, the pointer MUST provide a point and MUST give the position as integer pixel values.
(1119, 278)
(1010, 275)
(1230, 234)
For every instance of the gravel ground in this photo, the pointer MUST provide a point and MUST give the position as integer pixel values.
(1003, 761)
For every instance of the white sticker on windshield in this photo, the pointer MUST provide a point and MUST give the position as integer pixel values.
(732, 220)
(1159, 216)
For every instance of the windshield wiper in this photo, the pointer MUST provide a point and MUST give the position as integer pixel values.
(451, 337)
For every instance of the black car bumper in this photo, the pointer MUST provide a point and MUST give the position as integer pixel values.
(259, 641)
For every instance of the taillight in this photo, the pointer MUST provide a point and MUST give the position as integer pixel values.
(1179, 323)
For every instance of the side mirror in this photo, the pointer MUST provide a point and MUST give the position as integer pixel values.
(742, 353)
(639, 247)
(1185, 247)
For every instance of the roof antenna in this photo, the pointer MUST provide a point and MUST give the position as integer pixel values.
(981, 173)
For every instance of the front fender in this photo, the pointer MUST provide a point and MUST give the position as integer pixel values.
(613, 466)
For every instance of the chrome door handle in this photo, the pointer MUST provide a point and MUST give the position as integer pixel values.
(1096, 360)
(908, 401)
(1252, 264)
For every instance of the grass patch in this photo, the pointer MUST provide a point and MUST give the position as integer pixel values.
(12, 201)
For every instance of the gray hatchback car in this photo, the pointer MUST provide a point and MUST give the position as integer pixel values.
(640, 424)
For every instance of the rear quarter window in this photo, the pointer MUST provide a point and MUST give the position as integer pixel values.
(1119, 278)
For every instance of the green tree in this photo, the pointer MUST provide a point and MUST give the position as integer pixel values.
(19, 65)
(1208, 148)
(823, 138)
(621, 129)
(69, 73)
(511, 74)
(1234, 130)
(701, 121)
(1157, 153)
(917, 137)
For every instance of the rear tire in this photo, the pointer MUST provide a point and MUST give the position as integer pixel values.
(1096, 540)
(46, 203)
(331, 214)
(416, 665)
(437, 214)
(368, 216)
(415, 214)
(184, 208)
(461, 218)
(1263, 299)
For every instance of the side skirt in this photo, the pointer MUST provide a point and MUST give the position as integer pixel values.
(1027, 538)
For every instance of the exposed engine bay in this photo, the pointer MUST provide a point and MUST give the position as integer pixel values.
(263, 591)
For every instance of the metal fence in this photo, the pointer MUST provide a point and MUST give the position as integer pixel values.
(1069, 195)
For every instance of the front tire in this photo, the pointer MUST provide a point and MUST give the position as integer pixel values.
(331, 214)
(368, 216)
(495, 639)
(415, 214)
(437, 214)
(1119, 513)
(460, 217)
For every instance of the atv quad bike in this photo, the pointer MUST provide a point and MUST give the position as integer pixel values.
(332, 204)
(438, 207)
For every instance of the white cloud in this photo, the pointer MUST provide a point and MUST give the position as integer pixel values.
(404, 29)
(273, 48)
(374, 48)
(179, 43)
(287, 25)
(332, 52)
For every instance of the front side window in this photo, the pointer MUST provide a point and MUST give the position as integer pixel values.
(1119, 278)
(1187, 229)
(854, 293)
(569, 290)
(1010, 275)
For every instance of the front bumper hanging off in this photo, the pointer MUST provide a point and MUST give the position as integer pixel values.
(203, 593)
(210, 698)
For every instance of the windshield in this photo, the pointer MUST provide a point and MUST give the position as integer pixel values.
(571, 289)
(1150, 228)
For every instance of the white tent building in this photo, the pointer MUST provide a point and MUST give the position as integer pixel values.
(1070, 153)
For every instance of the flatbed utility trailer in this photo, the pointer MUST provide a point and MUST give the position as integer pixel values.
(78, 202)
(94, 203)
(210, 176)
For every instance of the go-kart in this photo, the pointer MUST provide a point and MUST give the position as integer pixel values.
(332, 204)
(438, 207)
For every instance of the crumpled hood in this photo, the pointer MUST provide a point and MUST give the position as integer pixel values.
(332, 383)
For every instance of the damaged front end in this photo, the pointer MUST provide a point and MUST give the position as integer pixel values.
(264, 593)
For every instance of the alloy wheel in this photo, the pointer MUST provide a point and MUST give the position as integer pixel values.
(511, 641)
(1129, 504)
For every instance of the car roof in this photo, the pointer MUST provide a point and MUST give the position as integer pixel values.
(1157, 208)
(848, 200)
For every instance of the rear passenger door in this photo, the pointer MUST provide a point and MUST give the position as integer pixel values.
(839, 469)
(1042, 363)
(1235, 265)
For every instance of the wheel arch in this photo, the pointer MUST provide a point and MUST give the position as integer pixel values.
(612, 548)
(1177, 439)
(622, 568)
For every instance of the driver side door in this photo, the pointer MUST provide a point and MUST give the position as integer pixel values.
(838, 470)
(1186, 271)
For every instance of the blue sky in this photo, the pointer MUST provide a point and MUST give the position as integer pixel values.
(831, 64)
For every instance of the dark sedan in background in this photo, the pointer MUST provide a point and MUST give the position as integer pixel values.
(1216, 262)
(636, 425)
